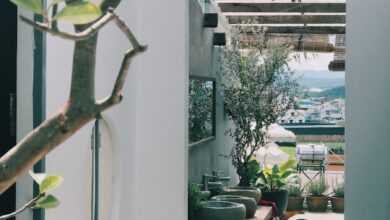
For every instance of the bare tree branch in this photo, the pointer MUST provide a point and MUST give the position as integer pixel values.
(81, 107)
(87, 33)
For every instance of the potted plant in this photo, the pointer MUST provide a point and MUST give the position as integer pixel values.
(337, 199)
(273, 183)
(194, 200)
(295, 197)
(317, 201)
(257, 87)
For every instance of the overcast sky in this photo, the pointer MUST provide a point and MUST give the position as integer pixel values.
(315, 65)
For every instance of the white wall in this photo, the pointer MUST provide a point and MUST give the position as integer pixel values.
(368, 107)
(148, 129)
(24, 186)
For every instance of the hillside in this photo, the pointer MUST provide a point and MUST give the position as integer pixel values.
(336, 92)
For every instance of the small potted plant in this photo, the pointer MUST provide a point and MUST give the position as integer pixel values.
(273, 183)
(337, 199)
(248, 178)
(295, 197)
(194, 200)
(317, 201)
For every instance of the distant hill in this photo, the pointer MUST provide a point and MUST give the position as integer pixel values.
(320, 79)
(336, 92)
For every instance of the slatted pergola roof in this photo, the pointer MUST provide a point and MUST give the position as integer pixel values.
(291, 18)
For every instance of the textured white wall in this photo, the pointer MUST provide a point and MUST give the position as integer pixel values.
(24, 188)
(148, 130)
(368, 107)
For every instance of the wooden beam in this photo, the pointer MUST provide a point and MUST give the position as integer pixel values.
(308, 43)
(288, 19)
(283, 7)
(299, 29)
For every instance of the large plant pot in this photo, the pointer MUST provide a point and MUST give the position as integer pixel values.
(249, 203)
(221, 210)
(337, 204)
(251, 192)
(280, 198)
(317, 203)
(295, 203)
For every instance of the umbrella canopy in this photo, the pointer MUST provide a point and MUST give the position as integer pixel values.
(270, 155)
(277, 133)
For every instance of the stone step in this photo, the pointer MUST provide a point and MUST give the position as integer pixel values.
(263, 213)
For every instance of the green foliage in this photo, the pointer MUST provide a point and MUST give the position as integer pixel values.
(295, 190)
(31, 5)
(338, 190)
(258, 87)
(318, 187)
(46, 183)
(47, 202)
(194, 200)
(276, 178)
(250, 173)
(200, 110)
(50, 183)
(79, 13)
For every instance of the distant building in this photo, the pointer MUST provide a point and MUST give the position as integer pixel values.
(316, 111)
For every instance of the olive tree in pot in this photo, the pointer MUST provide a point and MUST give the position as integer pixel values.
(273, 183)
(295, 197)
(338, 198)
(258, 87)
(317, 201)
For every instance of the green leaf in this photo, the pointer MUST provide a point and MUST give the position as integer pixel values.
(31, 5)
(50, 183)
(287, 165)
(47, 202)
(38, 177)
(79, 13)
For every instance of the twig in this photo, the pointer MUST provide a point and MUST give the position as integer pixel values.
(29, 204)
(116, 95)
(87, 33)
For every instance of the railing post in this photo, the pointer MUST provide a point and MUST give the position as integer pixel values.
(95, 147)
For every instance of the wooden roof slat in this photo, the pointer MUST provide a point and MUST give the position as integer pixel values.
(282, 7)
(299, 29)
(288, 19)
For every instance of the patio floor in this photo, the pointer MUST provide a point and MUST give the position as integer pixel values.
(318, 216)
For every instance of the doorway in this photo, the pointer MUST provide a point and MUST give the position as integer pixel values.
(8, 45)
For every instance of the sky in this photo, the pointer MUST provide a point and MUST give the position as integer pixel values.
(315, 66)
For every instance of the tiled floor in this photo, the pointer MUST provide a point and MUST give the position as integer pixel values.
(318, 216)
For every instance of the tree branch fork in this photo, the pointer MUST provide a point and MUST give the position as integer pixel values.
(74, 115)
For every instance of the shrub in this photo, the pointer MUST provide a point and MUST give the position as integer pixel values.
(318, 187)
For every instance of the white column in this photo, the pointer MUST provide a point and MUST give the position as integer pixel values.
(368, 108)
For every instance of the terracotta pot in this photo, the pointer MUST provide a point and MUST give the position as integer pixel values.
(317, 203)
(295, 203)
(251, 192)
(280, 198)
(337, 204)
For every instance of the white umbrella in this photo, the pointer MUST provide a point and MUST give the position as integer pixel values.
(271, 154)
(277, 133)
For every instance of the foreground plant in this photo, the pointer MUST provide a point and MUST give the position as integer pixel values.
(43, 200)
(277, 178)
(82, 106)
(257, 87)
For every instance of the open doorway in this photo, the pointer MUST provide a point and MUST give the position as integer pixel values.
(8, 42)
